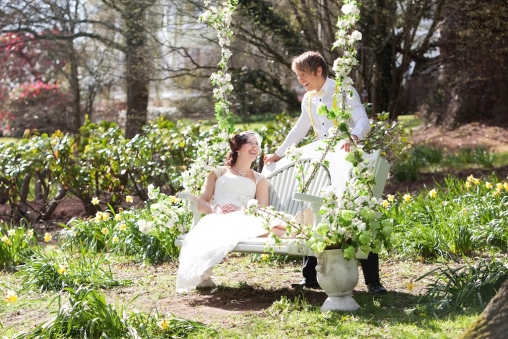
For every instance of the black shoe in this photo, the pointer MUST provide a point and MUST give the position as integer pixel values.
(376, 288)
(308, 284)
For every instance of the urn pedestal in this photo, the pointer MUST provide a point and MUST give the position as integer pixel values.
(337, 277)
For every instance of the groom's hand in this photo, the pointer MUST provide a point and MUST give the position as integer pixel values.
(269, 158)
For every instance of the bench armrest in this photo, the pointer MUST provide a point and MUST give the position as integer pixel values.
(193, 202)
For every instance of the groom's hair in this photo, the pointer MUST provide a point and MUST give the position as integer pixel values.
(236, 142)
(309, 62)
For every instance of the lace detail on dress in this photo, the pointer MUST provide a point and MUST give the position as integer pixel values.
(258, 176)
(219, 171)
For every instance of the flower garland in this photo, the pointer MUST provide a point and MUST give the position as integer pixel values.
(220, 20)
(208, 151)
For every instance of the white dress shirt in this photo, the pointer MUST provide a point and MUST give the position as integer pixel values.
(359, 122)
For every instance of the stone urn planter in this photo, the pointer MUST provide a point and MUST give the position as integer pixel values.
(337, 277)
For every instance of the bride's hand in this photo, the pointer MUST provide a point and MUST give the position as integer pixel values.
(226, 208)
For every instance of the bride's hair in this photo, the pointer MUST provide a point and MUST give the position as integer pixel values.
(236, 142)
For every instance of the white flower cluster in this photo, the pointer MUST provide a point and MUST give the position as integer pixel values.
(164, 214)
(220, 20)
(205, 161)
(345, 40)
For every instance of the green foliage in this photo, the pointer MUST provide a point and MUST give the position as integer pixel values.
(51, 270)
(285, 306)
(16, 245)
(466, 286)
(87, 315)
(455, 219)
(391, 137)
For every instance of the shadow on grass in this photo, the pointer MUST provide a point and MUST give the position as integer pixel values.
(378, 310)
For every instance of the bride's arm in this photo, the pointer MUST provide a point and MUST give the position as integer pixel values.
(262, 193)
(204, 205)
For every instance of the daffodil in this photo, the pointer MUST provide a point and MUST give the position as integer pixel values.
(11, 232)
(407, 197)
(410, 286)
(11, 297)
(30, 233)
(468, 184)
(470, 178)
(385, 203)
(476, 181)
(115, 239)
(105, 231)
(433, 193)
(118, 217)
(390, 197)
(129, 198)
(264, 257)
(47, 237)
(62, 269)
(488, 185)
(105, 216)
(122, 227)
(505, 186)
(164, 324)
(5, 238)
(95, 201)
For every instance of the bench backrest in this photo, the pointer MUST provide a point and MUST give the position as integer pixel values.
(283, 183)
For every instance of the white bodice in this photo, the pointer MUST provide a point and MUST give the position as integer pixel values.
(234, 189)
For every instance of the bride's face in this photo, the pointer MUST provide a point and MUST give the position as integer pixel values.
(250, 149)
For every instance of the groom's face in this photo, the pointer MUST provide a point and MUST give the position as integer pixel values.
(311, 81)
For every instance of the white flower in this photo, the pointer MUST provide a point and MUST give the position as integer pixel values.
(144, 226)
(350, 9)
(356, 35)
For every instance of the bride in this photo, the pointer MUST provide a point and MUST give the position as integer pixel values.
(224, 224)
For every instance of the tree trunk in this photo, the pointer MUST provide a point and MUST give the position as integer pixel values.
(474, 49)
(493, 322)
(137, 68)
(75, 89)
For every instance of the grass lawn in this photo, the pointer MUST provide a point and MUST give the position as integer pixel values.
(253, 300)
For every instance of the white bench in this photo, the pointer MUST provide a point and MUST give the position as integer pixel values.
(284, 196)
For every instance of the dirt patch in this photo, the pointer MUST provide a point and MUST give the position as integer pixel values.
(471, 135)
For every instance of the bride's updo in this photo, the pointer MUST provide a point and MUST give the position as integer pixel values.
(236, 142)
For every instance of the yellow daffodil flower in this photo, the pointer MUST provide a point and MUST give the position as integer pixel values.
(505, 186)
(11, 297)
(122, 227)
(105, 231)
(118, 217)
(164, 324)
(385, 203)
(407, 197)
(129, 198)
(390, 197)
(47, 237)
(470, 178)
(410, 286)
(476, 181)
(468, 184)
(5, 239)
(62, 269)
(105, 216)
(95, 201)
(11, 232)
(115, 240)
(433, 193)
(9, 243)
(488, 185)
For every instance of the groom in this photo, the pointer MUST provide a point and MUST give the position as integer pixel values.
(312, 72)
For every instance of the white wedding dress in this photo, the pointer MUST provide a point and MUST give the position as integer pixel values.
(217, 234)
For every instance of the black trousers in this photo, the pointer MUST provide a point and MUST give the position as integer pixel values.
(370, 268)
